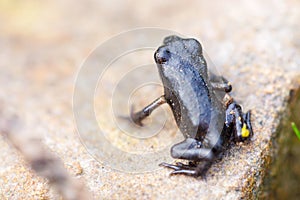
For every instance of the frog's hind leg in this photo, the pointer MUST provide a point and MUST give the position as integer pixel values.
(190, 149)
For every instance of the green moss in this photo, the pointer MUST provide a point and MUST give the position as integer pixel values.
(296, 130)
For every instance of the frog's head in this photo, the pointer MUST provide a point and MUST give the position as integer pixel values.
(184, 47)
(177, 50)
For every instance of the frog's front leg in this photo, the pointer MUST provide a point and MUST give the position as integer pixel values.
(138, 117)
(191, 149)
(220, 83)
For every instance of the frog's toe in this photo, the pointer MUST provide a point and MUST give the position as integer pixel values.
(175, 167)
(189, 172)
(137, 121)
(186, 166)
(178, 166)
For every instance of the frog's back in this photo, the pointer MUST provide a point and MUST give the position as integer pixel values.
(187, 94)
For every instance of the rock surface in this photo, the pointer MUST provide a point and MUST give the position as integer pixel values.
(254, 44)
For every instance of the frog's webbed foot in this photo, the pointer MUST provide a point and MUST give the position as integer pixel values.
(134, 117)
(138, 117)
(180, 168)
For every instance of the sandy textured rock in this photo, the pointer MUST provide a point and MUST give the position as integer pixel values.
(254, 44)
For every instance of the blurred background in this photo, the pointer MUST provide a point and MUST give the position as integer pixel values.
(255, 44)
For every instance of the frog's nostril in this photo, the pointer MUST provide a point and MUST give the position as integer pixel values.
(162, 55)
(159, 59)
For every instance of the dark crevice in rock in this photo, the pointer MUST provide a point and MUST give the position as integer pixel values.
(282, 169)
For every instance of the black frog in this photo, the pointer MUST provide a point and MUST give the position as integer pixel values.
(206, 121)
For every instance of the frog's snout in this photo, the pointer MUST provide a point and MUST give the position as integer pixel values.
(162, 55)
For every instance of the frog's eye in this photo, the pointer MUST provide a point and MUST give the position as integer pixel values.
(162, 55)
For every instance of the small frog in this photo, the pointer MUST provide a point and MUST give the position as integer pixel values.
(207, 123)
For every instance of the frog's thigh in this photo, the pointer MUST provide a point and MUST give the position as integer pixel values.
(190, 150)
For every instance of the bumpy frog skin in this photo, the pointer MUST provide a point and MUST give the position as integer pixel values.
(207, 123)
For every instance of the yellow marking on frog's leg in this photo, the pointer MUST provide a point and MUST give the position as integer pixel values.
(245, 131)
